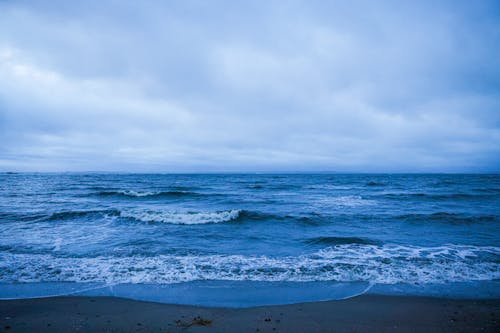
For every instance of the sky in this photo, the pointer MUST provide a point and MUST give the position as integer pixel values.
(250, 86)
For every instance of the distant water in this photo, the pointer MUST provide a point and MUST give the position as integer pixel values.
(196, 238)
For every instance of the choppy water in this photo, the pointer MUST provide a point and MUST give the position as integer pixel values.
(329, 229)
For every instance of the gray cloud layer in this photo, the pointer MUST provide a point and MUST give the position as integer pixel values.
(250, 86)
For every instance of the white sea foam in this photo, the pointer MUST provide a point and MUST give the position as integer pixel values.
(182, 217)
(386, 264)
(328, 187)
(137, 194)
(130, 193)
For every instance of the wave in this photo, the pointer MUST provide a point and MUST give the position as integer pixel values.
(255, 216)
(172, 217)
(445, 217)
(436, 196)
(19, 216)
(233, 215)
(445, 183)
(372, 183)
(81, 213)
(239, 215)
(339, 240)
(147, 194)
(184, 188)
(327, 187)
(387, 264)
(256, 187)
(169, 217)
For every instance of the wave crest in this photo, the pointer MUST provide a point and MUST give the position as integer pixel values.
(145, 194)
(68, 215)
(183, 217)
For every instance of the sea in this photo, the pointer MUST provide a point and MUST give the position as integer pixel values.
(241, 240)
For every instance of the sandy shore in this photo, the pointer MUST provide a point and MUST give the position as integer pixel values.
(361, 314)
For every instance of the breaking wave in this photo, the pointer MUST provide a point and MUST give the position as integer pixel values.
(182, 217)
(233, 215)
(148, 194)
(169, 216)
(385, 264)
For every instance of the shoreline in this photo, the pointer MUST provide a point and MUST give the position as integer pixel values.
(365, 313)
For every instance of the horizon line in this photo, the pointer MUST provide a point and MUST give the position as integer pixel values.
(220, 172)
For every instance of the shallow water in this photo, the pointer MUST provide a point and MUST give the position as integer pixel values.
(329, 235)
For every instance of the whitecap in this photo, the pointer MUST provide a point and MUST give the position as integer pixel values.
(174, 217)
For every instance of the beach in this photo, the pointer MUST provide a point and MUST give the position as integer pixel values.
(367, 313)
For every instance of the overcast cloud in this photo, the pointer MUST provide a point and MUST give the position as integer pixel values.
(250, 86)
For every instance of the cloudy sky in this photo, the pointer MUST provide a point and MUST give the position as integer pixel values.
(190, 86)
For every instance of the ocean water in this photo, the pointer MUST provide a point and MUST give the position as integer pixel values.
(248, 239)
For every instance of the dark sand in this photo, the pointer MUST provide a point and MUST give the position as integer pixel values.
(360, 314)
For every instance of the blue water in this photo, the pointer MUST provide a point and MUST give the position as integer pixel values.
(240, 240)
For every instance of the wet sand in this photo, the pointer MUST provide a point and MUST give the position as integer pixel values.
(367, 313)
